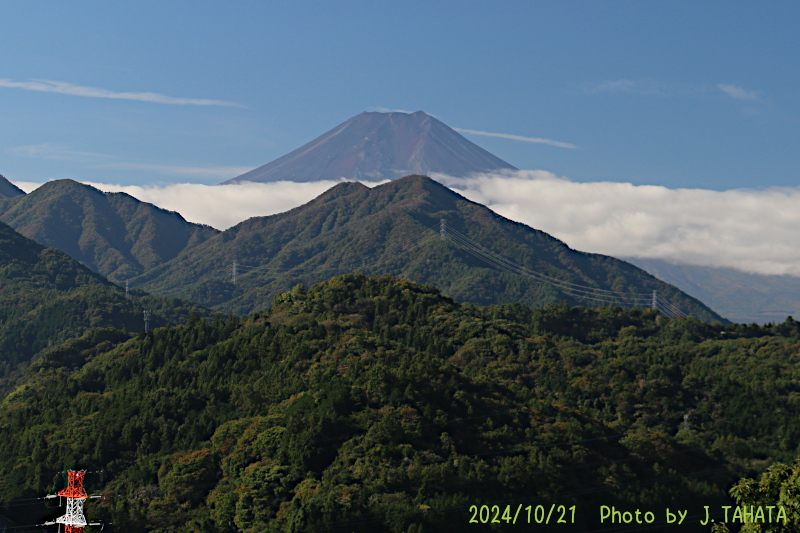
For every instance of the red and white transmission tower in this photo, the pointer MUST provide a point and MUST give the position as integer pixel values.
(73, 521)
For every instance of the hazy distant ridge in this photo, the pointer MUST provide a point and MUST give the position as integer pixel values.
(736, 295)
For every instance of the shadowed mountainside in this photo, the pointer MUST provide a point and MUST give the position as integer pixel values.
(47, 297)
(8, 189)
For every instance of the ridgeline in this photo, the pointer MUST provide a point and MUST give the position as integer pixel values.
(114, 234)
(393, 229)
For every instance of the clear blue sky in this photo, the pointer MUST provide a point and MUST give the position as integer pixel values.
(682, 94)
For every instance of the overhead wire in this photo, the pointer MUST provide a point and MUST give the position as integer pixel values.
(671, 307)
(515, 269)
(577, 290)
(544, 277)
(582, 292)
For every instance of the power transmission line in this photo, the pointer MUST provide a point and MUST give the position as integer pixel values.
(584, 292)
(578, 291)
(445, 232)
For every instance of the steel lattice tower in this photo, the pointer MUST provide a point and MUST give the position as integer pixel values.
(74, 521)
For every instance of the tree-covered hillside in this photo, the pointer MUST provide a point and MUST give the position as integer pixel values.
(114, 234)
(47, 297)
(392, 229)
(366, 404)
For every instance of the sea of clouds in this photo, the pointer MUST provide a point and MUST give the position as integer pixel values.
(752, 230)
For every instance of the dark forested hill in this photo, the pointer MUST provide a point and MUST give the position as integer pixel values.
(112, 233)
(8, 189)
(393, 229)
(47, 297)
(365, 405)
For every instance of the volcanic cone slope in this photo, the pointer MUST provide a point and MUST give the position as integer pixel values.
(378, 146)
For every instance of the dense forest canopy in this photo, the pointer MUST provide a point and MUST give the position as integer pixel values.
(46, 297)
(377, 404)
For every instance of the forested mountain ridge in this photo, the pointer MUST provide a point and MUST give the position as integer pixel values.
(47, 297)
(392, 229)
(114, 234)
(380, 405)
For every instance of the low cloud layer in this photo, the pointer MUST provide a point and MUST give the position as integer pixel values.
(220, 206)
(63, 87)
(751, 230)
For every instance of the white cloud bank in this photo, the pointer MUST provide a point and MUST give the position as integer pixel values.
(220, 206)
(752, 230)
(63, 87)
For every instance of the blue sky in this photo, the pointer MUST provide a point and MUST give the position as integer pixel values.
(679, 94)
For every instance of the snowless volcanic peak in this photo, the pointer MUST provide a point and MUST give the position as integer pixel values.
(375, 146)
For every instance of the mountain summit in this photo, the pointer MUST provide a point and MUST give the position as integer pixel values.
(114, 234)
(396, 228)
(377, 146)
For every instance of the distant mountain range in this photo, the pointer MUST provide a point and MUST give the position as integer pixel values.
(350, 227)
(379, 146)
(122, 238)
(736, 295)
(393, 229)
(112, 233)
(384, 230)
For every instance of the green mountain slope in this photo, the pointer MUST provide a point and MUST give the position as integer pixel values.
(380, 405)
(47, 297)
(389, 229)
(112, 233)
